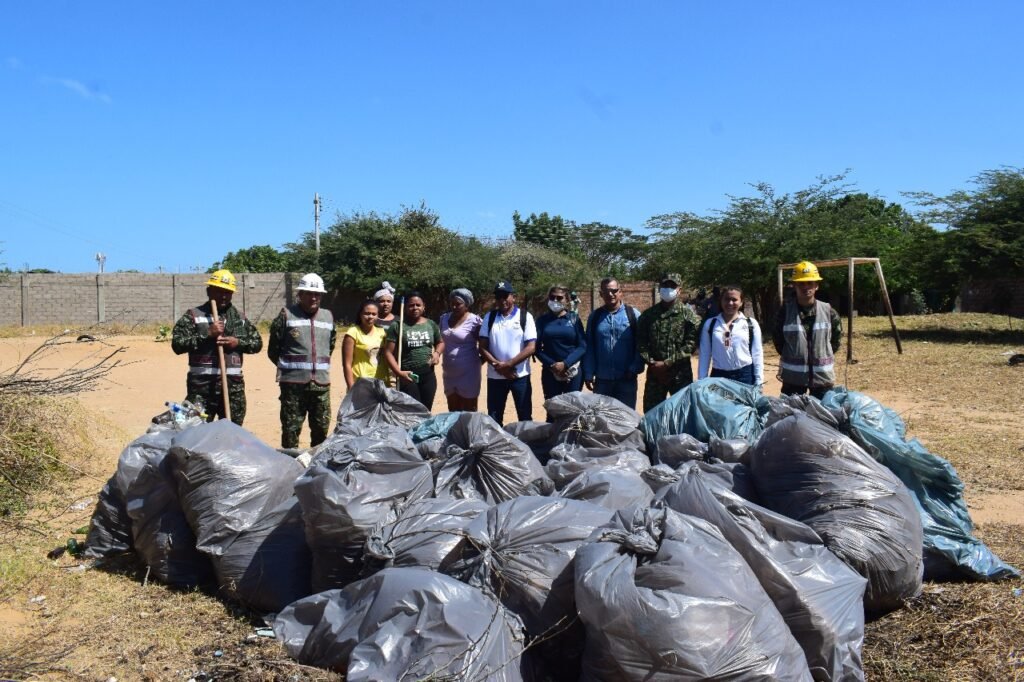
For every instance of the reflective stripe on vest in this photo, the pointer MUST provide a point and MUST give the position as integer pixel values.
(203, 363)
(305, 347)
(804, 364)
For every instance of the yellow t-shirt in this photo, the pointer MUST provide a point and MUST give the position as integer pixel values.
(366, 362)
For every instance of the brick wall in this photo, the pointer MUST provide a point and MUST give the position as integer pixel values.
(129, 298)
(1001, 296)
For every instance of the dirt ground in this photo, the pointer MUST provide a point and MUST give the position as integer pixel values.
(150, 374)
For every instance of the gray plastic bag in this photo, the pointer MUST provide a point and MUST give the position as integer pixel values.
(819, 597)
(370, 401)
(567, 463)
(522, 551)
(483, 461)
(611, 488)
(663, 596)
(228, 480)
(590, 420)
(678, 448)
(866, 516)
(424, 534)
(405, 624)
(540, 437)
(268, 565)
(347, 491)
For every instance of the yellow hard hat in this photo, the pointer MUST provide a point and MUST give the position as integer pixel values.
(805, 271)
(223, 279)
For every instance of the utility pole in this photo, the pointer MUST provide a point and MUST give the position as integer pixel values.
(101, 260)
(316, 225)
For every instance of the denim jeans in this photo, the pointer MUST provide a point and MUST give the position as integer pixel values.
(497, 395)
(623, 390)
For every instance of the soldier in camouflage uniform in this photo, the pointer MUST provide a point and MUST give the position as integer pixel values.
(302, 339)
(666, 336)
(198, 335)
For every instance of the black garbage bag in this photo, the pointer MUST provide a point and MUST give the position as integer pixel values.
(540, 437)
(812, 473)
(228, 480)
(268, 565)
(590, 420)
(424, 534)
(675, 449)
(370, 401)
(522, 551)
(729, 450)
(663, 596)
(567, 463)
(347, 491)
(819, 596)
(735, 477)
(483, 461)
(405, 624)
(610, 488)
(110, 528)
(163, 538)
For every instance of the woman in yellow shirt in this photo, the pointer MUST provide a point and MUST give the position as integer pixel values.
(360, 348)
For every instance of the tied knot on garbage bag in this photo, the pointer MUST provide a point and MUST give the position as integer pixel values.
(637, 541)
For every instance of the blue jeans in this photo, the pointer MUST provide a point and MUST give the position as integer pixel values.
(497, 395)
(552, 386)
(744, 375)
(623, 390)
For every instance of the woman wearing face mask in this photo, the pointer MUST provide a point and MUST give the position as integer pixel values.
(730, 342)
(361, 347)
(460, 330)
(422, 348)
(561, 344)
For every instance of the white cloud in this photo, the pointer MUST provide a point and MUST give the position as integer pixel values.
(79, 88)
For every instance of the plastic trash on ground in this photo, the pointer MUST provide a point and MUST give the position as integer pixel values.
(663, 596)
(540, 437)
(522, 551)
(950, 549)
(677, 448)
(567, 463)
(435, 427)
(611, 488)
(483, 461)
(268, 565)
(819, 597)
(228, 480)
(590, 420)
(710, 407)
(424, 534)
(347, 491)
(405, 624)
(370, 401)
(866, 516)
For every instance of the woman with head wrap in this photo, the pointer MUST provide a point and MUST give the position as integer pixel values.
(385, 299)
(460, 330)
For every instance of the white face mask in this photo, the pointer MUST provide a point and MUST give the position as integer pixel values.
(669, 295)
(556, 306)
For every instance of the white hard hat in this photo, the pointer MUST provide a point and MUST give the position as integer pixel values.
(312, 282)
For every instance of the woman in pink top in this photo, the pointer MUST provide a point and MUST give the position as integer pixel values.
(461, 363)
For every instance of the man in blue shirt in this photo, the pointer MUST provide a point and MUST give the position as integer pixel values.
(612, 362)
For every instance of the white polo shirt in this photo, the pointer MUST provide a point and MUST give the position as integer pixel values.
(506, 339)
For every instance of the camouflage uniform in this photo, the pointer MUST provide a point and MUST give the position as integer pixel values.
(310, 394)
(204, 390)
(667, 333)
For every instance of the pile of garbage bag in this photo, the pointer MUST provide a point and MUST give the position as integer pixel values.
(724, 535)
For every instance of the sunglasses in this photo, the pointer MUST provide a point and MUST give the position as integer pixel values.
(728, 333)
(611, 291)
(501, 296)
(552, 297)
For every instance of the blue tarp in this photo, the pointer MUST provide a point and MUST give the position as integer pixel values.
(728, 409)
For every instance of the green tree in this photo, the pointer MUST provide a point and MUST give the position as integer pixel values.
(545, 230)
(263, 258)
(609, 249)
(533, 268)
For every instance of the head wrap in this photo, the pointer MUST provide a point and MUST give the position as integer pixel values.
(465, 294)
(385, 290)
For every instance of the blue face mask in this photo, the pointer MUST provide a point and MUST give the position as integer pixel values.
(668, 295)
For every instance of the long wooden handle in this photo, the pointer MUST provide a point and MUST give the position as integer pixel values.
(401, 324)
(223, 370)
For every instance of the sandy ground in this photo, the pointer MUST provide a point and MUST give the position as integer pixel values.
(150, 374)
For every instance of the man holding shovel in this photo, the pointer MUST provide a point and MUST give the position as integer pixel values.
(215, 335)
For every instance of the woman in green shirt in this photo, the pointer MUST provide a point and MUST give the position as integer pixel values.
(422, 347)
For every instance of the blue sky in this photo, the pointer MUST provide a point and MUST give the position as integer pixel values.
(167, 134)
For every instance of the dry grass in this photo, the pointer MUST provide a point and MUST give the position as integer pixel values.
(952, 386)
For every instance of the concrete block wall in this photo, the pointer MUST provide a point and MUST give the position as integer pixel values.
(129, 298)
(1000, 296)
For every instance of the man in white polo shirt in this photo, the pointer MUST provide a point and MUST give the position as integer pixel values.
(508, 337)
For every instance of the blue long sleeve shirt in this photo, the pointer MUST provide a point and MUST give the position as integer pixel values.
(611, 346)
(560, 339)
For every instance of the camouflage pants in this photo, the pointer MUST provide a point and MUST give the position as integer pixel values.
(207, 397)
(656, 390)
(298, 400)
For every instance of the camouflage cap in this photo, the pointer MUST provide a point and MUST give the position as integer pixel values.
(671, 277)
